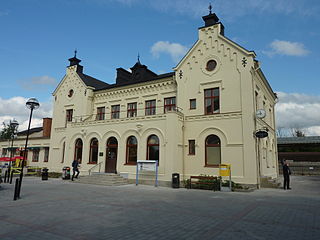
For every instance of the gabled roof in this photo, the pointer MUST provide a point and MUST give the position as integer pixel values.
(223, 37)
(32, 130)
(92, 82)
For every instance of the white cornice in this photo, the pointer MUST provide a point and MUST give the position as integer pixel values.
(139, 88)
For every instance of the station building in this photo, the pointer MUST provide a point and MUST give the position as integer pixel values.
(192, 119)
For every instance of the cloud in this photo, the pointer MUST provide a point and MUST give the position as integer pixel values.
(313, 131)
(37, 83)
(15, 108)
(175, 50)
(287, 48)
(295, 110)
(196, 8)
(259, 7)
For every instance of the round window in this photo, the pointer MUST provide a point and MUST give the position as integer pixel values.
(211, 65)
(70, 93)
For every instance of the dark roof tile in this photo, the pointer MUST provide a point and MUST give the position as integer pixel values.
(32, 130)
(92, 82)
(165, 75)
(298, 140)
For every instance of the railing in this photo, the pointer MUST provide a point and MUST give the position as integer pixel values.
(16, 170)
(33, 170)
(125, 114)
(90, 170)
(29, 170)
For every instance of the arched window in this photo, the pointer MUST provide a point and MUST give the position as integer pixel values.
(213, 150)
(63, 151)
(93, 155)
(78, 149)
(153, 148)
(131, 153)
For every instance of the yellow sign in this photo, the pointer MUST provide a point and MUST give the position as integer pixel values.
(225, 170)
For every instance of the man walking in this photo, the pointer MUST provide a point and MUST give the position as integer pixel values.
(286, 175)
(75, 168)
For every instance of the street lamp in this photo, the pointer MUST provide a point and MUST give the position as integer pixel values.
(32, 104)
(13, 126)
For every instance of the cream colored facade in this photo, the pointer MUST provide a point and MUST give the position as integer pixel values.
(235, 75)
(242, 90)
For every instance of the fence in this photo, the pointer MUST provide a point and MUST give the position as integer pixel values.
(302, 168)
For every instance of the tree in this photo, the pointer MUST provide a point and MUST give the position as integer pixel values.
(298, 132)
(7, 131)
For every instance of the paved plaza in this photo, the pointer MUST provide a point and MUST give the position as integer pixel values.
(57, 209)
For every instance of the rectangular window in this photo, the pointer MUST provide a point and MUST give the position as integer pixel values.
(193, 103)
(256, 98)
(4, 152)
(100, 113)
(69, 115)
(151, 107)
(211, 101)
(46, 154)
(169, 104)
(35, 155)
(270, 116)
(132, 110)
(192, 147)
(115, 111)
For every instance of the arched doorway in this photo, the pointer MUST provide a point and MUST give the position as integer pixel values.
(111, 156)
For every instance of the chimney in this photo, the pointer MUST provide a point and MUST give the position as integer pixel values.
(47, 127)
(212, 19)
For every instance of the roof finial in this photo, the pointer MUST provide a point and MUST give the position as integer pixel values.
(138, 58)
(75, 53)
(210, 8)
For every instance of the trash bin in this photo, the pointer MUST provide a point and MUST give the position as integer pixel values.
(65, 173)
(175, 180)
(44, 174)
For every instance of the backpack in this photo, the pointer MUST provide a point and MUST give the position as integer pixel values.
(74, 164)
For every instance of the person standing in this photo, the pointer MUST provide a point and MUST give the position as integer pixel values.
(75, 168)
(286, 175)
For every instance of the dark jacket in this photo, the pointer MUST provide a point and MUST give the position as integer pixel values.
(75, 164)
(286, 170)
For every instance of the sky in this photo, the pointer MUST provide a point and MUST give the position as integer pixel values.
(38, 36)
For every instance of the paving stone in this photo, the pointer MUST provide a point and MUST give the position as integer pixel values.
(57, 209)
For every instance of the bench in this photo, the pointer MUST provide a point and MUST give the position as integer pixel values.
(205, 182)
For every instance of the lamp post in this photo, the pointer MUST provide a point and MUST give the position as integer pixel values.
(32, 104)
(13, 125)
